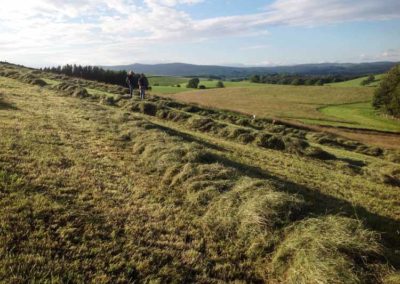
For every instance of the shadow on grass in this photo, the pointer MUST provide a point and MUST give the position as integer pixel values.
(186, 137)
(320, 204)
(5, 105)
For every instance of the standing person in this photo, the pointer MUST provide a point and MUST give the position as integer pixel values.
(130, 81)
(143, 85)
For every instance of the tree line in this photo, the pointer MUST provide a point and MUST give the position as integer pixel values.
(90, 73)
(297, 80)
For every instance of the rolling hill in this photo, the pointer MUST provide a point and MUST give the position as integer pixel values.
(182, 69)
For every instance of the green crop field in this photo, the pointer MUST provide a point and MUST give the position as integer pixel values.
(119, 190)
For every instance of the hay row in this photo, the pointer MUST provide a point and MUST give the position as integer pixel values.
(28, 78)
(269, 226)
(288, 143)
(275, 127)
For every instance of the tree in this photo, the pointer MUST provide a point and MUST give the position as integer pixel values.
(297, 82)
(369, 80)
(193, 83)
(387, 95)
(220, 84)
(255, 79)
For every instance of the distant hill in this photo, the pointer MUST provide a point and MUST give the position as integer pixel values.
(182, 69)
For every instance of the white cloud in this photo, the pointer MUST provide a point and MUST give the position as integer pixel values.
(391, 54)
(112, 31)
(314, 12)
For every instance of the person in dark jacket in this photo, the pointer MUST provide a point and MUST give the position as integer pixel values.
(143, 85)
(130, 81)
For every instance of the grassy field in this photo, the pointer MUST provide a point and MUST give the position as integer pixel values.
(276, 100)
(361, 112)
(357, 82)
(325, 105)
(168, 85)
(157, 191)
(167, 80)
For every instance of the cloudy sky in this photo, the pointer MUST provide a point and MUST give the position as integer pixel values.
(232, 32)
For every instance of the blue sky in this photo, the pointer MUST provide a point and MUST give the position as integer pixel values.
(229, 32)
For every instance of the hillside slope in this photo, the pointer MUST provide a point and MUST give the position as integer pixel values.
(96, 188)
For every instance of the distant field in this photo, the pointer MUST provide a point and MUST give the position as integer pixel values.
(325, 105)
(166, 80)
(167, 85)
(277, 101)
(361, 115)
(357, 82)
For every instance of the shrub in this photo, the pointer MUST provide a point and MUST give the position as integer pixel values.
(220, 84)
(387, 95)
(202, 87)
(369, 80)
(193, 83)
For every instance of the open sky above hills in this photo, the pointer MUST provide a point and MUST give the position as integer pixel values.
(225, 32)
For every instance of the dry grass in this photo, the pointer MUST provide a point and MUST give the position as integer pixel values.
(96, 193)
(300, 104)
(276, 101)
(327, 250)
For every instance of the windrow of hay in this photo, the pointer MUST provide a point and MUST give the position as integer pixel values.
(251, 215)
(329, 249)
(331, 140)
(29, 77)
(388, 174)
(72, 90)
(114, 89)
(236, 118)
(244, 135)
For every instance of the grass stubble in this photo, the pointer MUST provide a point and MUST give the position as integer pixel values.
(97, 193)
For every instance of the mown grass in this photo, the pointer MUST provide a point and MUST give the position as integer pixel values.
(93, 193)
(276, 101)
(361, 115)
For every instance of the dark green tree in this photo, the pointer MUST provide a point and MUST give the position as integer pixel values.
(255, 79)
(220, 84)
(369, 80)
(193, 83)
(387, 95)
